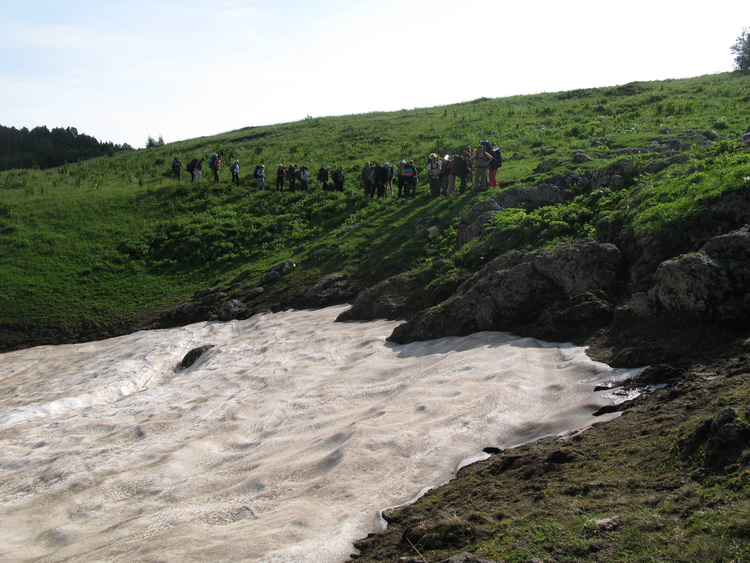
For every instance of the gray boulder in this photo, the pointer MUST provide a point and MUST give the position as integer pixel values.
(403, 295)
(515, 289)
(475, 220)
(232, 309)
(192, 356)
(330, 290)
(705, 281)
(692, 282)
(541, 193)
(270, 277)
(712, 283)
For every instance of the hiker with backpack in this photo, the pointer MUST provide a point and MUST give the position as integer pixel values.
(444, 173)
(458, 171)
(434, 168)
(214, 163)
(497, 162)
(469, 161)
(304, 178)
(382, 178)
(338, 180)
(260, 176)
(235, 170)
(177, 167)
(280, 177)
(324, 176)
(373, 177)
(409, 172)
(292, 172)
(391, 175)
(197, 170)
(400, 180)
(365, 181)
(191, 168)
(482, 160)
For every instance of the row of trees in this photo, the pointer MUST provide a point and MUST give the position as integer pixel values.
(45, 148)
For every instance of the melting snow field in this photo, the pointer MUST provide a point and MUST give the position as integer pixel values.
(282, 443)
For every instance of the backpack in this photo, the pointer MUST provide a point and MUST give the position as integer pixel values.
(212, 160)
(487, 146)
(256, 172)
(374, 173)
(322, 174)
(497, 154)
(191, 165)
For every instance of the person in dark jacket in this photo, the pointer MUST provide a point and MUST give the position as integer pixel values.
(292, 172)
(482, 160)
(215, 167)
(366, 181)
(382, 178)
(177, 167)
(191, 168)
(434, 170)
(338, 179)
(409, 172)
(280, 177)
(304, 178)
(469, 162)
(458, 170)
(197, 171)
(324, 175)
(496, 163)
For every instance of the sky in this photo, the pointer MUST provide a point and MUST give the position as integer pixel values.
(126, 70)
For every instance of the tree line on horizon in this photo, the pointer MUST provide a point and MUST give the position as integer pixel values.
(44, 148)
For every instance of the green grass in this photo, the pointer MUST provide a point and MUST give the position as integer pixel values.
(117, 238)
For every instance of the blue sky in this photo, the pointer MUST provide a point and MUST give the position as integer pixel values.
(122, 71)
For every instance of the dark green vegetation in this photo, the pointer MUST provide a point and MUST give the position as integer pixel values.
(44, 148)
(100, 246)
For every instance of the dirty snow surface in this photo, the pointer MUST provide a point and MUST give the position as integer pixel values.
(283, 442)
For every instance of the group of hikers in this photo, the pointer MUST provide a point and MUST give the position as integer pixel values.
(377, 180)
(195, 167)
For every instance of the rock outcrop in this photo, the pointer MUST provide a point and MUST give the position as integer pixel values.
(515, 289)
(475, 219)
(539, 194)
(713, 283)
(404, 295)
(330, 290)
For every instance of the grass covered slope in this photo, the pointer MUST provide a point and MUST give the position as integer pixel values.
(100, 246)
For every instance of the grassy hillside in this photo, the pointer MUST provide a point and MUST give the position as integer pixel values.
(112, 241)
